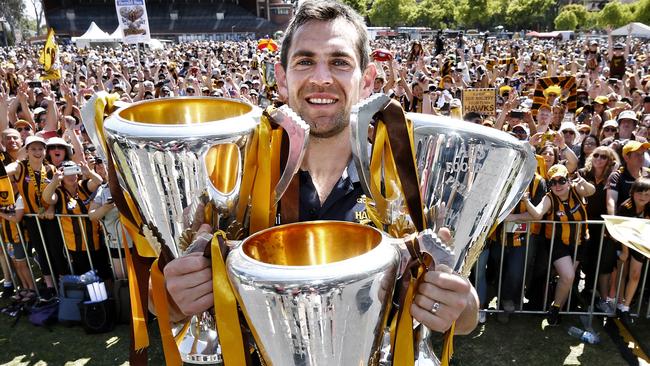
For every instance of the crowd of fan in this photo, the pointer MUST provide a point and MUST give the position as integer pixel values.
(592, 156)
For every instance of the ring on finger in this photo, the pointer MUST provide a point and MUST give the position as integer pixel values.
(435, 307)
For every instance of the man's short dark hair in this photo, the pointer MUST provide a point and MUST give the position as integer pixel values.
(327, 11)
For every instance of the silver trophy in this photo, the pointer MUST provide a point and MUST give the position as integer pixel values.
(315, 293)
(181, 161)
(470, 177)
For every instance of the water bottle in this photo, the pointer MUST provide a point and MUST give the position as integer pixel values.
(583, 335)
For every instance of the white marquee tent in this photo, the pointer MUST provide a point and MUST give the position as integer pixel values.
(637, 30)
(93, 35)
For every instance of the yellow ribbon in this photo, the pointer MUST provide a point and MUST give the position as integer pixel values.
(261, 195)
(448, 346)
(276, 147)
(248, 176)
(225, 309)
(160, 301)
(103, 105)
(381, 149)
(404, 351)
(140, 334)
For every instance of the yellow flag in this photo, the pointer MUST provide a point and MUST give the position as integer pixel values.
(49, 58)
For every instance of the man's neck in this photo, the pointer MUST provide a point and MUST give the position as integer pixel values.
(325, 160)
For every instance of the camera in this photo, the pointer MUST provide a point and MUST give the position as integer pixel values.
(519, 114)
(71, 169)
(35, 84)
(612, 81)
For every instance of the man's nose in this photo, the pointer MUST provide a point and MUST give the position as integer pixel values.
(322, 74)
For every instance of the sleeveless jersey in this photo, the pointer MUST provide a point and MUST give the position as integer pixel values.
(573, 209)
(71, 227)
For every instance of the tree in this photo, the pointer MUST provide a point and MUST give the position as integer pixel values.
(472, 13)
(529, 14)
(38, 9)
(391, 13)
(12, 11)
(436, 14)
(614, 14)
(642, 12)
(566, 20)
(579, 10)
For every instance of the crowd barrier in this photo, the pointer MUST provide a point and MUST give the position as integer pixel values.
(579, 282)
(30, 257)
(567, 309)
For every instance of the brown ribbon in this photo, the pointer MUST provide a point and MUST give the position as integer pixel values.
(404, 156)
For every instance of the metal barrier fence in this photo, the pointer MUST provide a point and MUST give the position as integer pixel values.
(28, 250)
(590, 309)
(640, 291)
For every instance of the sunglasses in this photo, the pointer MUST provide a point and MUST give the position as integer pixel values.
(600, 156)
(609, 129)
(560, 181)
(56, 147)
(584, 132)
(568, 132)
(21, 129)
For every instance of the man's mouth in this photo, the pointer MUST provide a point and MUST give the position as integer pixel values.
(321, 101)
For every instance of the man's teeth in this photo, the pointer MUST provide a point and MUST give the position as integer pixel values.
(321, 101)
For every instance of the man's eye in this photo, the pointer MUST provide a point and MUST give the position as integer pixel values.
(340, 63)
(304, 62)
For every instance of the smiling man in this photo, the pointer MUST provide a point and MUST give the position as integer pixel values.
(324, 70)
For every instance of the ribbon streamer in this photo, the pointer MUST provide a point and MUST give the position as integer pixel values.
(225, 308)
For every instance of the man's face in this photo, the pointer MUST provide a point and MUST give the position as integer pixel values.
(544, 116)
(12, 141)
(323, 78)
(626, 127)
(634, 159)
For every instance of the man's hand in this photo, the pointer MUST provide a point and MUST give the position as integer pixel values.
(455, 299)
(188, 280)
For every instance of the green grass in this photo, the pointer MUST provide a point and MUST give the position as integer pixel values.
(520, 342)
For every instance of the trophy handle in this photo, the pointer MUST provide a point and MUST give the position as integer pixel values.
(520, 183)
(361, 117)
(298, 132)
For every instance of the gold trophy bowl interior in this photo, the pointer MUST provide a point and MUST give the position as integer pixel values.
(311, 243)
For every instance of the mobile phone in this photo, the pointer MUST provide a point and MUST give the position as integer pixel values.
(35, 84)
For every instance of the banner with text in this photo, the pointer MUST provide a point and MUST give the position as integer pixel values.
(480, 100)
(132, 15)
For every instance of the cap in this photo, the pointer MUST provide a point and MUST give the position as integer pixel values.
(610, 123)
(39, 110)
(627, 115)
(521, 127)
(619, 46)
(601, 100)
(54, 141)
(31, 139)
(634, 145)
(22, 122)
(593, 42)
(558, 170)
(584, 127)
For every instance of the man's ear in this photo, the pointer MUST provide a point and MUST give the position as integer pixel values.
(368, 80)
(281, 79)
